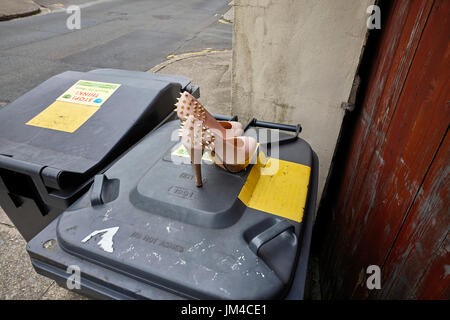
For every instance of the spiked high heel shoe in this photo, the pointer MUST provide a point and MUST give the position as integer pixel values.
(232, 154)
(187, 105)
(197, 139)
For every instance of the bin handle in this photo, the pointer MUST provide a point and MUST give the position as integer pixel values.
(269, 234)
(219, 117)
(33, 171)
(271, 125)
(97, 189)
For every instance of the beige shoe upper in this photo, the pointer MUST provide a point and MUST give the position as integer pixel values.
(233, 128)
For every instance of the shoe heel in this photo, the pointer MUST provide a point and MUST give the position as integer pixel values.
(198, 174)
(196, 166)
(197, 139)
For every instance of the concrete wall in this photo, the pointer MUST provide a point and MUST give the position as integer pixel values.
(295, 62)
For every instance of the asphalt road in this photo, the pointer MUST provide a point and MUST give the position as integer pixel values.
(123, 34)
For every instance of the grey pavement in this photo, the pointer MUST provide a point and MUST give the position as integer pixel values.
(18, 280)
(120, 34)
(211, 71)
(11, 9)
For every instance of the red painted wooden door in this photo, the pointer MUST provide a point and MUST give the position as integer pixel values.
(393, 205)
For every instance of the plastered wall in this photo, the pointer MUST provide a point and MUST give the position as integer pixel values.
(294, 61)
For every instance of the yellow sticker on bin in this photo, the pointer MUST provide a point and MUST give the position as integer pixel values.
(75, 106)
(63, 116)
(277, 187)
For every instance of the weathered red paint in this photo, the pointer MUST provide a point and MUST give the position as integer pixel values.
(420, 260)
(404, 117)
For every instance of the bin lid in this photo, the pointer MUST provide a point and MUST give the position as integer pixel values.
(45, 127)
(145, 218)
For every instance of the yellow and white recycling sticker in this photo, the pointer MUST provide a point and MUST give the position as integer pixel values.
(75, 106)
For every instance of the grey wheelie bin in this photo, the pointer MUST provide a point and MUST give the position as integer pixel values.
(144, 231)
(58, 136)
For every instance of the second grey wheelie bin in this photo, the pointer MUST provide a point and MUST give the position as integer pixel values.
(145, 231)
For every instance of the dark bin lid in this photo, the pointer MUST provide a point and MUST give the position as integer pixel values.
(152, 224)
(128, 108)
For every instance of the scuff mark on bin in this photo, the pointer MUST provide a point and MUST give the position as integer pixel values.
(180, 261)
(157, 255)
(238, 263)
(106, 216)
(196, 246)
(171, 228)
(106, 241)
(225, 291)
